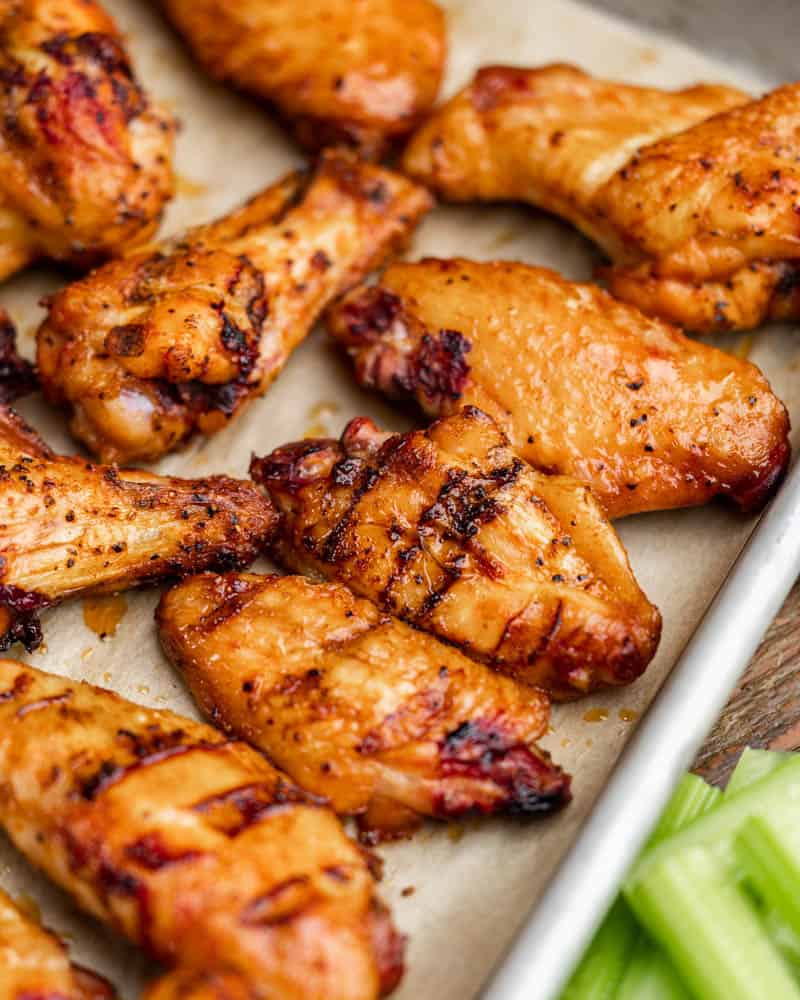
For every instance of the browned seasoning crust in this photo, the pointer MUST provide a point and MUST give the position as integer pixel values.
(34, 964)
(69, 527)
(190, 844)
(85, 155)
(359, 73)
(450, 530)
(583, 385)
(148, 350)
(694, 195)
(380, 719)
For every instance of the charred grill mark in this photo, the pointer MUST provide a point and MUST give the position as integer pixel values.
(439, 369)
(373, 313)
(295, 466)
(42, 703)
(22, 683)
(152, 853)
(236, 809)
(332, 550)
(281, 904)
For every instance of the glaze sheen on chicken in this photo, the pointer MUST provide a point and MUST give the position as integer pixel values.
(359, 73)
(190, 844)
(68, 527)
(85, 155)
(694, 195)
(379, 718)
(450, 530)
(148, 350)
(35, 964)
(582, 385)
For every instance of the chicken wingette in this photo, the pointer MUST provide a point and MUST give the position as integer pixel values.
(382, 720)
(693, 195)
(34, 964)
(85, 155)
(148, 350)
(68, 527)
(190, 844)
(360, 73)
(450, 530)
(582, 384)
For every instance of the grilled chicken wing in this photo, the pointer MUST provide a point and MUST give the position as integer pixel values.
(694, 195)
(354, 72)
(35, 964)
(448, 529)
(380, 719)
(150, 349)
(68, 527)
(190, 844)
(583, 385)
(85, 156)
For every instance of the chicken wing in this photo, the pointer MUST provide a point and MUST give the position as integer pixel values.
(17, 376)
(69, 527)
(190, 844)
(354, 72)
(693, 195)
(380, 719)
(449, 530)
(85, 156)
(35, 964)
(150, 349)
(583, 385)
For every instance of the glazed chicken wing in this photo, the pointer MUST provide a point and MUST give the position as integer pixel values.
(150, 349)
(190, 844)
(354, 72)
(583, 385)
(35, 964)
(68, 527)
(693, 195)
(450, 530)
(85, 156)
(380, 719)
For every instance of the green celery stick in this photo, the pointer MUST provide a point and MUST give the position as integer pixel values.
(753, 765)
(691, 799)
(768, 849)
(707, 925)
(600, 971)
(650, 976)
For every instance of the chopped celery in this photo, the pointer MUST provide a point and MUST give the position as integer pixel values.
(600, 971)
(707, 926)
(753, 765)
(691, 799)
(650, 976)
(769, 850)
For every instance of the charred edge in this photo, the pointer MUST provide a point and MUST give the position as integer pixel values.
(370, 314)
(17, 376)
(529, 782)
(296, 465)
(388, 946)
(439, 369)
(495, 84)
(24, 626)
(752, 495)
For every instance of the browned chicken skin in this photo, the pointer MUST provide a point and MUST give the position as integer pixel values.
(355, 72)
(68, 527)
(583, 385)
(148, 350)
(190, 844)
(85, 156)
(694, 195)
(380, 719)
(34, 963)
(450, 530)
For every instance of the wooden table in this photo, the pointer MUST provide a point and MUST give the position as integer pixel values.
(764, 710)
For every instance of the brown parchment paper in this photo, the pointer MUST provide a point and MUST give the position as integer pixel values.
(472, 886)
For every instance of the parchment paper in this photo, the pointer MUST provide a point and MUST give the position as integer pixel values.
(474, 885)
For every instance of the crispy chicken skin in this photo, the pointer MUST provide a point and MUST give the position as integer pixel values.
(583, 385)
(85, 156)
(359, 73)
(68, 527)
(694, 195)
(382, 720)
(190, 844)
(450, 530)
(34, 964)
(150, 349)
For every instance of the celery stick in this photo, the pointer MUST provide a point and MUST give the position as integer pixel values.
(598, 975)
(769, 851)
(707, 925)
(650, 976)
(691, 799)
(752, 765)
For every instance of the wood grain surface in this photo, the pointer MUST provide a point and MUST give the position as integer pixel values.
(764, 710)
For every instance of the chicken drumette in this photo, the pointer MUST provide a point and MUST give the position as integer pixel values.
(582, 384)
(147, 350)
(380, 719)
(450, 530)
(355, 72)
(190, 844)
(68, 527)
(693, 195)
(85, 156)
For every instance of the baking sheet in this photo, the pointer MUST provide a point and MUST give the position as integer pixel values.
(473, 885)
